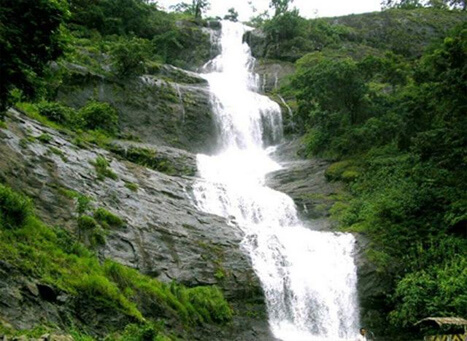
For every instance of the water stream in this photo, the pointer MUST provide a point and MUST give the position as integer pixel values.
(309, 277)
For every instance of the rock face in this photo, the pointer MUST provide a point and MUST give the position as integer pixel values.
(304, 181)
(273, 73)
(168, 107)
(164, 235)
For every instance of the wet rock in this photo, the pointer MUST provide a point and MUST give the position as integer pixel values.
(304, 181)
(273, 73)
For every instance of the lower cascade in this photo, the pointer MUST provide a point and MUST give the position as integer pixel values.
(309, 277)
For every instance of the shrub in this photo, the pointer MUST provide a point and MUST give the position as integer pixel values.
(14, 208)
(132, 186)
(102, 169)
(56, 112)
(86, 223)
(107, 219)
(342, 170)
(130, 55)
(99, 116)
(210, 303)
(45, 138)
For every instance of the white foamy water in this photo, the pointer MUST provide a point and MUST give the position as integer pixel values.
(309, 277)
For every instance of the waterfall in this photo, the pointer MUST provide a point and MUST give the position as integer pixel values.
(309, 277)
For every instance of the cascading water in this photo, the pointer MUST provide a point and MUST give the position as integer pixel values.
(309, 277)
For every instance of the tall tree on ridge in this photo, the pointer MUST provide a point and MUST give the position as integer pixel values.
(280, 6)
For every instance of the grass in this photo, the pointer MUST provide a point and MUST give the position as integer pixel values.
(60, 153)
(132, 186)
(107, 219)
(53, 256)
(45, 138)
(145, 157)
(103, 169)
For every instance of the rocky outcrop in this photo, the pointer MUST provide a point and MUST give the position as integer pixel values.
(45, 337)
(169, 107)
(273, 74)
(164, 235)
(303, 180)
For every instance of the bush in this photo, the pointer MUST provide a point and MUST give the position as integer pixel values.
(99, 116)
(56, 112)
(102, 169)
(343, 170)
(130, 55)
(210, 303)
(14, 208)
(107, 219)
(87, 223)
(45, 138)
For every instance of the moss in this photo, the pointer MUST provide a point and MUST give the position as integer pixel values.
(3, 125)
(146, 157)
(60, 153)
(107, 219)
(45, 138)
(102, 169)
(31, 110)
(132, 186)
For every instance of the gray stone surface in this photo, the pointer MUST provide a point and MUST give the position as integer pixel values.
(303, 180)
(168, 107)
(164, 235)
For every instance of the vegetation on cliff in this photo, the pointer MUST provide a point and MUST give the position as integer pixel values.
(55, 258)
(395, 120)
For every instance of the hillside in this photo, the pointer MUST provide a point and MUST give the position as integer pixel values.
(99, 235)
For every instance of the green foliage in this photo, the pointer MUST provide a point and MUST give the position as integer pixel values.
(280, 7)
(45, 138)
(405, 123)
(99, 116)
(52, 256)
(146, 157)
(14, 208)
(107, 219)
(132, 186)
(30, 37)
(231, 15)
(103, 169)
(344, 171)
(56, 112)
(130, 55)
(436, 291)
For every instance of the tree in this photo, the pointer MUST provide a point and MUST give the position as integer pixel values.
(196, 8)
(30, 37)
(411, 4)
(232, 15)
(200, 6)
(403, 4)
(129, 56)
(280, 6)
